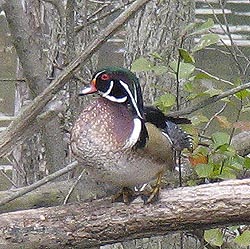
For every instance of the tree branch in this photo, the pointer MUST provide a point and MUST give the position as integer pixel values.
(53, 194)
(101, 222)
(210, 100)
(20, 192)
(13, 135)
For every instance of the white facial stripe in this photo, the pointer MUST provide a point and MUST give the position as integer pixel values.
(86, 90)
(135, 134)
(132, 98)
(99, 74)
(135, 93)
(110, 89)
(118, 100)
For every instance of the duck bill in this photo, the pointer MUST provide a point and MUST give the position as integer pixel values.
(89, 89)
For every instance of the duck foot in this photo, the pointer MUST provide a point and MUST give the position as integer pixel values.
(125, 195)
(153, 195)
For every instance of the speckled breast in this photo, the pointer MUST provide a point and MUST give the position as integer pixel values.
(97, 140)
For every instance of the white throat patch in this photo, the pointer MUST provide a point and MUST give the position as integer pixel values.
(135, 134)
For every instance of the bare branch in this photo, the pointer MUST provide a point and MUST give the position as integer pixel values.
(37, 184)
(210, 100)
(101, 222)
(240, 142)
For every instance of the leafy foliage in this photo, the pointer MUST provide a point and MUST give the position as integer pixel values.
(214, 237)
(214, 158)
(243, 239)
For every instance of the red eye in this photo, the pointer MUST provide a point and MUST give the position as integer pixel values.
(105, 77)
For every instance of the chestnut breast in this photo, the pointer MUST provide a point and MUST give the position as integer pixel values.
(103, 126)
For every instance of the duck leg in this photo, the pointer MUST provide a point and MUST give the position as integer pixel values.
(152, 196)
(125, 195)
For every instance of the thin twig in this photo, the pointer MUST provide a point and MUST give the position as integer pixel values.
(226, 30)
(20, 192)
(5, 79)
(237, 118)
(210, 100)
(8, 178)
(177, 73)
(79, 28)
(214, 77)
(213, 117)
(73, 187)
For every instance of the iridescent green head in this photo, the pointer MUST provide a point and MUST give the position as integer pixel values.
(118, 85)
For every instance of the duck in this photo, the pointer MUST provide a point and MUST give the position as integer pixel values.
(122, 142)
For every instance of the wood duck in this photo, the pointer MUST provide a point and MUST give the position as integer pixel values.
(120, 141)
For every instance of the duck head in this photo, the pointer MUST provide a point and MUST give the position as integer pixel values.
(117, 85)
(120, 85)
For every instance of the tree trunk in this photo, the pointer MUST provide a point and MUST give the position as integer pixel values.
(157, 28)
(28, 28)
(100, 222)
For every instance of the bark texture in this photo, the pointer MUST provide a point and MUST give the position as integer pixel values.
(157, 28)
(45, 147)
(100, 222)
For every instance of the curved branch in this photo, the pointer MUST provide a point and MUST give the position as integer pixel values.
(101, 222)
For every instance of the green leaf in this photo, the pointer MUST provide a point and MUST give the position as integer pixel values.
(227, 174)
(243, 239)
(220, 138)
(203, 75)
(166, 101)
(160, 69)
(155, 55)
(188, 87)
(204, 27)
(204, 170)
(243, 94)
(186, 56)
(199, 28)
(223, 148)
(191, 26)
(185, 69)
(205, 41)
(214, 237)
(247, 162)
(236, 166)
(141, 65)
